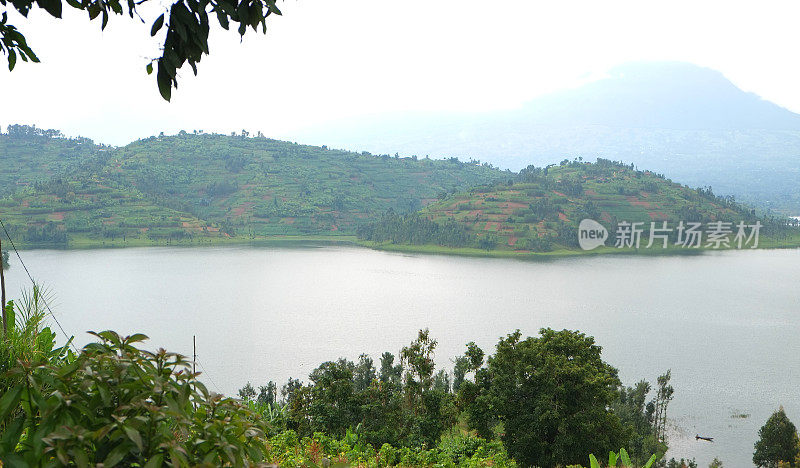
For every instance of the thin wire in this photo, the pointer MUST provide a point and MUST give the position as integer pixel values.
(34, 284)
(56, 320)
(209, 376)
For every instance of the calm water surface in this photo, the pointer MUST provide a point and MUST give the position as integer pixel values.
(725, 323)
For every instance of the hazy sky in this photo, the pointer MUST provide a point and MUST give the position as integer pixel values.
(328, 59)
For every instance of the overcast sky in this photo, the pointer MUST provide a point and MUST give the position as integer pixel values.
(327, 59)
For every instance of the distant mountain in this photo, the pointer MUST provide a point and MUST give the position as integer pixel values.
(666, 95)
(676, 118)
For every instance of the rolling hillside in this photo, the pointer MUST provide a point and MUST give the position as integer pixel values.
(196, 187)
(201, 188)
(30, 155)
(541, 210)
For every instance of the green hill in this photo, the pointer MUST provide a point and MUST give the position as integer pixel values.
(206, 187)
(540, 212)
(30, 155)
(201, 188)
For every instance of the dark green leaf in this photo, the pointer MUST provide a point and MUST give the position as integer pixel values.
(134, 435)
(116, 455)
(9, 402)
(223, 19)
(157, 25)
(12, 460)
(137, 337)
(51, 6)
(68, 369)
(155, 462)
(164, 81)
(11, 435)
(81, 459)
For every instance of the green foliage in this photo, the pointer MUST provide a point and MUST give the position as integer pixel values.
(118, 405)
(639, 416)
(426, 407)
(541, 210)
(673, 463)
(407, 404)
(289, 450)
(27, 338)
(186, 38)
(552, 394)
(390, 374)
(334, 407)
(417, 359)
(414, 229)
(623, 459)
(195, 188)
(247, 393)
(200, 188)
(14, 44)
(777, 442)
(31, 155)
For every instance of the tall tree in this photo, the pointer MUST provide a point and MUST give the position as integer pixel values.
(333, 404)
(364, 373)
(267, 394)
(553, 394)
(390, 373)
(777, 442)
(664, 395)
(417, 360)
(638, 415)
(424, 404)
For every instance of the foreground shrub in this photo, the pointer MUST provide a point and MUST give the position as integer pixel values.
(620, 458)
(27, 338)
(287, 450)
(120, 406)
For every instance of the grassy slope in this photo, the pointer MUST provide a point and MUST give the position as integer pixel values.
(35, 158)
(269, 187)
(200, 189)
(607, 194)
(213, 189)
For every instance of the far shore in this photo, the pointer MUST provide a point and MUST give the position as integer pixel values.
(349, 240)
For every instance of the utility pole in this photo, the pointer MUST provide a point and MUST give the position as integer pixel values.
(3, 289)
(194, 365)
(194, 352)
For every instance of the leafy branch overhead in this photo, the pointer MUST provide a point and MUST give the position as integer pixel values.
(187, 23)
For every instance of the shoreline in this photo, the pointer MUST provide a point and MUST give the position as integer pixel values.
(426, 249)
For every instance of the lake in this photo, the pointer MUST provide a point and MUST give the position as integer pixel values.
(726, 323)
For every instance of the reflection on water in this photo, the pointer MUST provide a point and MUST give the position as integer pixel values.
(725, 323)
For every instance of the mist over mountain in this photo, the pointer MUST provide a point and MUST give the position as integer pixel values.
(680, 119)
(669, 95)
